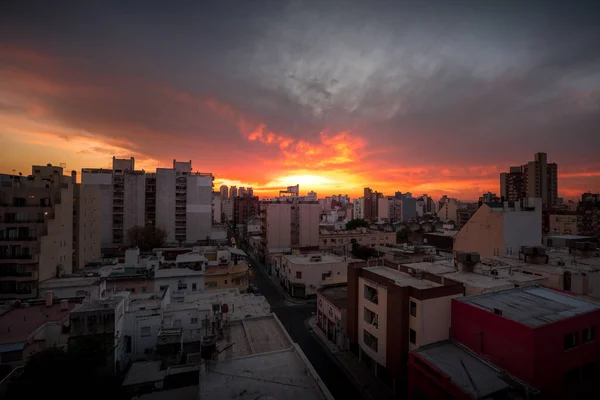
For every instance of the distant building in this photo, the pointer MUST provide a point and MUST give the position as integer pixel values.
(217, 210)
(290, 223)
(359, 208)
(537, 179)
(224, 192)
(302, 275)
(448, 209)
(227, 210)
(341, 241)
(245, 207)
(86, 224)
(562, 224)
(233, 192)
(499, 229)
(36, 231)
(512, 184)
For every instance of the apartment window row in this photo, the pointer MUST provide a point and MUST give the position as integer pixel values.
(371, 294)
(370, 341)
(571, 340)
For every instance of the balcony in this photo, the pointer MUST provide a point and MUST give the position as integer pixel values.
(17, 256)
(19, 239)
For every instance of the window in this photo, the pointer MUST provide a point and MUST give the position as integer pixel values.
(226, 281)
(145, 331)
(370, 317)
(370, 341)
(211, 284)
(413, 308)
(588, 334)
(194, 321)
(128, 344)
(326, 275)
(298, 274)
(571, 340)
(371, 294)
(164, 287)
(194, 286)
(182, 286)
(412, 336)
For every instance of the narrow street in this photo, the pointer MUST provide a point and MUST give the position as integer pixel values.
(293, 317)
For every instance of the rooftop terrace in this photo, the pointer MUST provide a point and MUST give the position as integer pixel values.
(402, 279)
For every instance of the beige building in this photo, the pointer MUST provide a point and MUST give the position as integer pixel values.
(562, 224)
(86, 224)
(36, 231)
(448, 211)
(340, 241)
(227, 277)
(502, 230)
(290, 223)
(303, 274)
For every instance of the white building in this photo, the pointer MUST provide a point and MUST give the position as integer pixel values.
(448, 210)
(502, 230)
(302, 275)
(227, 210)
(217, 210)
(71, 287)
(179, 280)
(359, 208)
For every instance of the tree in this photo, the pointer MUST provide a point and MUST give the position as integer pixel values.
(403, 235)
(356, 223)
(146, 238)
(364, 252)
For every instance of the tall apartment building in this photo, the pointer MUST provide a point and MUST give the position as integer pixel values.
(537, 178)
(359, 208)
(224, 190)
(36, 224)
(249, 192)
(244, 208)
(174, 199)
(86, 224)
(371, 205)
(233, 192)
(290, 223)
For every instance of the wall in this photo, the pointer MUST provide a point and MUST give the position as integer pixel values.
(521, 228)
(482, 233)
(432, 323)
(88, 225)
(198, 208)
(165, 201)
(506, 343)
(173, 282)
(309, 218)
(134, 200)
(279, 226)
(562, 224)
(381, 309)
(312, 273)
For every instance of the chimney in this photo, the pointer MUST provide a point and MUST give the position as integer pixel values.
(48, 296)
(64, 305)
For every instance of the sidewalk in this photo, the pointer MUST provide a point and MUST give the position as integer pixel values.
(369, 386)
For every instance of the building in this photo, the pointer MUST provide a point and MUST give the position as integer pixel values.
(227, 210)
(224, 192)
(332, 313)
(36, 231)
(179, 280)
(563, 224)
(86, 285)
(390, 313)
(217, 211)
(541, 336)
(499, 229)
(448, 209)
(244, 208)
(174, 199)
(233, 192)
(442, 240)
(102, 319)
(512, 184)
(340, 241)
(537, 179)
(29, 327)
(87, 223)
(290, 223)
(359, 208)
(302, 275)
(448, 369)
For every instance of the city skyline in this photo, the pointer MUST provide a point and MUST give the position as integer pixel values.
(410, 97)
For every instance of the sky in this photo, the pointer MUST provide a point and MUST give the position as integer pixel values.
(433, 97)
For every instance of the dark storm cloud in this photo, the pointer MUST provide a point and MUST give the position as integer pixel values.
(437, 82)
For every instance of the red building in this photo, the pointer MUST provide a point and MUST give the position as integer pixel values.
(245, 207)
(543, 337)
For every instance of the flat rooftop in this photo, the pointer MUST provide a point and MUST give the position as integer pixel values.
(336, 294)
(446, 233)
(306, 258)
(18, 323)
(532, 306)
(92, 305)
(144, 372)
(402, 279)
(56, 283)
(283, 374)
(436, 267)
(455, 361)
(240, 305)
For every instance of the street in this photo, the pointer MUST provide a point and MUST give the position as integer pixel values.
(293, 317)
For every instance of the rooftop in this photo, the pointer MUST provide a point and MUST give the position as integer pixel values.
(306, 258)
(447, 233)
(93, 305)
(571, 237)
(174, 272)
(245, 305)
(144, 372)
(436, 267)
(480, 281)
(283, 374)
(336, 294)
(18, 323)
(532, 306)
(481, 381)
(56, 283)
(402, 279)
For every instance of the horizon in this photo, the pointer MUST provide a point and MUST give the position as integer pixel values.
(431, 97)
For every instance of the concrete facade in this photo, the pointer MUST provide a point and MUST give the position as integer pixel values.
(87, 225)
(36, 231)
(302, 275)
(562, 224)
